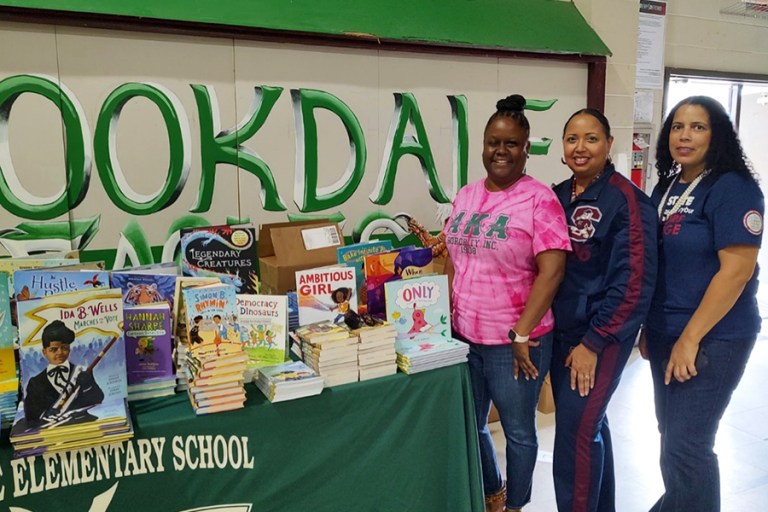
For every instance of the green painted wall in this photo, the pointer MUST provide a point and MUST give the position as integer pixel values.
(550, 26)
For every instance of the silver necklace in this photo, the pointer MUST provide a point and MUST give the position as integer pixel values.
(683, 197)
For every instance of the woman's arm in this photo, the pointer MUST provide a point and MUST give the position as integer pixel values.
(737, 264)
(551, 269)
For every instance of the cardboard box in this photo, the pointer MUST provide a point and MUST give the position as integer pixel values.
(287, 247)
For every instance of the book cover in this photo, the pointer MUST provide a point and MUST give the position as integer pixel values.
(382, 268)
(225, 252)
(148, 343)
(72, 357)
(354, 256)
(210, 319)
(7, 360)
(419, 307)
(262, 321)
(145, 287)
(325, 293)
(41, 282)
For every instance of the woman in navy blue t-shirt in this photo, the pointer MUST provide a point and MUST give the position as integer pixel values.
(704, 318)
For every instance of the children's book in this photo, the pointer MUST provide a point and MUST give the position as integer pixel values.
(210, 319)
(166, 267)
(40, 282)
(419, 307)
(9, 382)
(149, 344)
(354, 256)
(401, 263)
(11, 265)
(262, 321)
(72, 358)
(225, 252)
(145, 288)
(325, 293)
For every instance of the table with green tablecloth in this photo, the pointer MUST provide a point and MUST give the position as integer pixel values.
(395, 444)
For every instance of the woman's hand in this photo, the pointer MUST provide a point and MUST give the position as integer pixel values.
(582, 363)
(682, 361)
(642, 344)
(523, 360)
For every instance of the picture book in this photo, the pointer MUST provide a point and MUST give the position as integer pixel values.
(325, 293)
(145, 288)
(148, 343)
(262, 321)
(179, 309)
(72, 357)
(7, 361)
(210, 319)
(401, 263)
(419, 307)
(40, 282)
(225, 252)
(11, 265)
(354, 256)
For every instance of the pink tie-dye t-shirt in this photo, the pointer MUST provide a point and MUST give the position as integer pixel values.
(493, 239)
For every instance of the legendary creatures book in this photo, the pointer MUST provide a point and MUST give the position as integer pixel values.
(225, 252)
(354, 256)
(149, 349)
(401, 263)
(325, 293)
(262, 321)
(72, 357)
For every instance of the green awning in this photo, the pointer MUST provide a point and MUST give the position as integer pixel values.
(544, 26)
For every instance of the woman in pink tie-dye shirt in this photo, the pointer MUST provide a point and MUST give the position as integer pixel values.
(506, 239)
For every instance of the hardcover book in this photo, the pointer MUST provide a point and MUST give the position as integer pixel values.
(210, 319)
(145, 288)
(325, 293)
(397, 264)
(419, 307)
(40, 282)
(354, 256)
(149, 344)
(225, 252)
(262, 321)
(72, 358)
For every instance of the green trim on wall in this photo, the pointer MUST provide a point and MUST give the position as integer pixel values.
(547, 26)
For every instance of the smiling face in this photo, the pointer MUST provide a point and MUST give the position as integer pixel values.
(505, 152)
(586, 146)
(689, 138)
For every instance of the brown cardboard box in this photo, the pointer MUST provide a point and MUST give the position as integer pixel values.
(282, 252)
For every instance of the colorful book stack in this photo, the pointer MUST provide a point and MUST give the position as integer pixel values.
(331, 350)
(73, 372)
(215, 360)
(376, 350)
(180, 332)
(288, 381)
(394, 265)
(9, 378)
(419, 310)
(354, 256)
(262, 324)
(149, 351)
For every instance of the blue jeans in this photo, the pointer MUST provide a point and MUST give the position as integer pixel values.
(689, 414)
(491, 369)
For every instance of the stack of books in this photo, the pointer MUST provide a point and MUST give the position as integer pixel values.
(376, 349)
(9, 393)
(288, 381)
(419, 310)
(216, 378)
(331, 350)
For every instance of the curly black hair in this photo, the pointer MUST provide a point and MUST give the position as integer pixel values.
(512, 106)
(724, 154)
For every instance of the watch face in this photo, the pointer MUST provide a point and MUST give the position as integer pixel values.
(512, 335)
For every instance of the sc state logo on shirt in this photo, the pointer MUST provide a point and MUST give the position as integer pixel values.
(583, 218)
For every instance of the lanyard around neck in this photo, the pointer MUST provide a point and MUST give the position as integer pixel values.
(680, 200)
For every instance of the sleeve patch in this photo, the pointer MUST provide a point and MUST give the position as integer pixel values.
(753, 221)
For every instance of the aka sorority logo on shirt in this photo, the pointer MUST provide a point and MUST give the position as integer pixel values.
(583, 221)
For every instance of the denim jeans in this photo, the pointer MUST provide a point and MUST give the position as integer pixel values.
(689, 414)
(491, 369)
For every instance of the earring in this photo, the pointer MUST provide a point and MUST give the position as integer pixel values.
(562, 160)
(609, 159)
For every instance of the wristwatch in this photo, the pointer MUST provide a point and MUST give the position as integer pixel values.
(516, 338)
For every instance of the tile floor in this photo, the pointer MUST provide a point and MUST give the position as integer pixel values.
(742, 442)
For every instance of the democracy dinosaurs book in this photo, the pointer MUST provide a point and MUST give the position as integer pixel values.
(262, 321)
(225, 252)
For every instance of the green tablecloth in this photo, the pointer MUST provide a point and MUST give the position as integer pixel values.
(395, 444)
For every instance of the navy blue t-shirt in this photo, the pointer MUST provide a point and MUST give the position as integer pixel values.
(717, 214)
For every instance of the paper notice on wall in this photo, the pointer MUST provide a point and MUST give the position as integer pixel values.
(650, 45)
(644, 106)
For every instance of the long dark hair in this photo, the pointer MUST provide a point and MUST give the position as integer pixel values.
(512, 106)
(724, 153)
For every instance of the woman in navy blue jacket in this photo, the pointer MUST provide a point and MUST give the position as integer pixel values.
(601, 303)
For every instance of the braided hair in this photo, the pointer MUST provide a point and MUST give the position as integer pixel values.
(512, 106)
